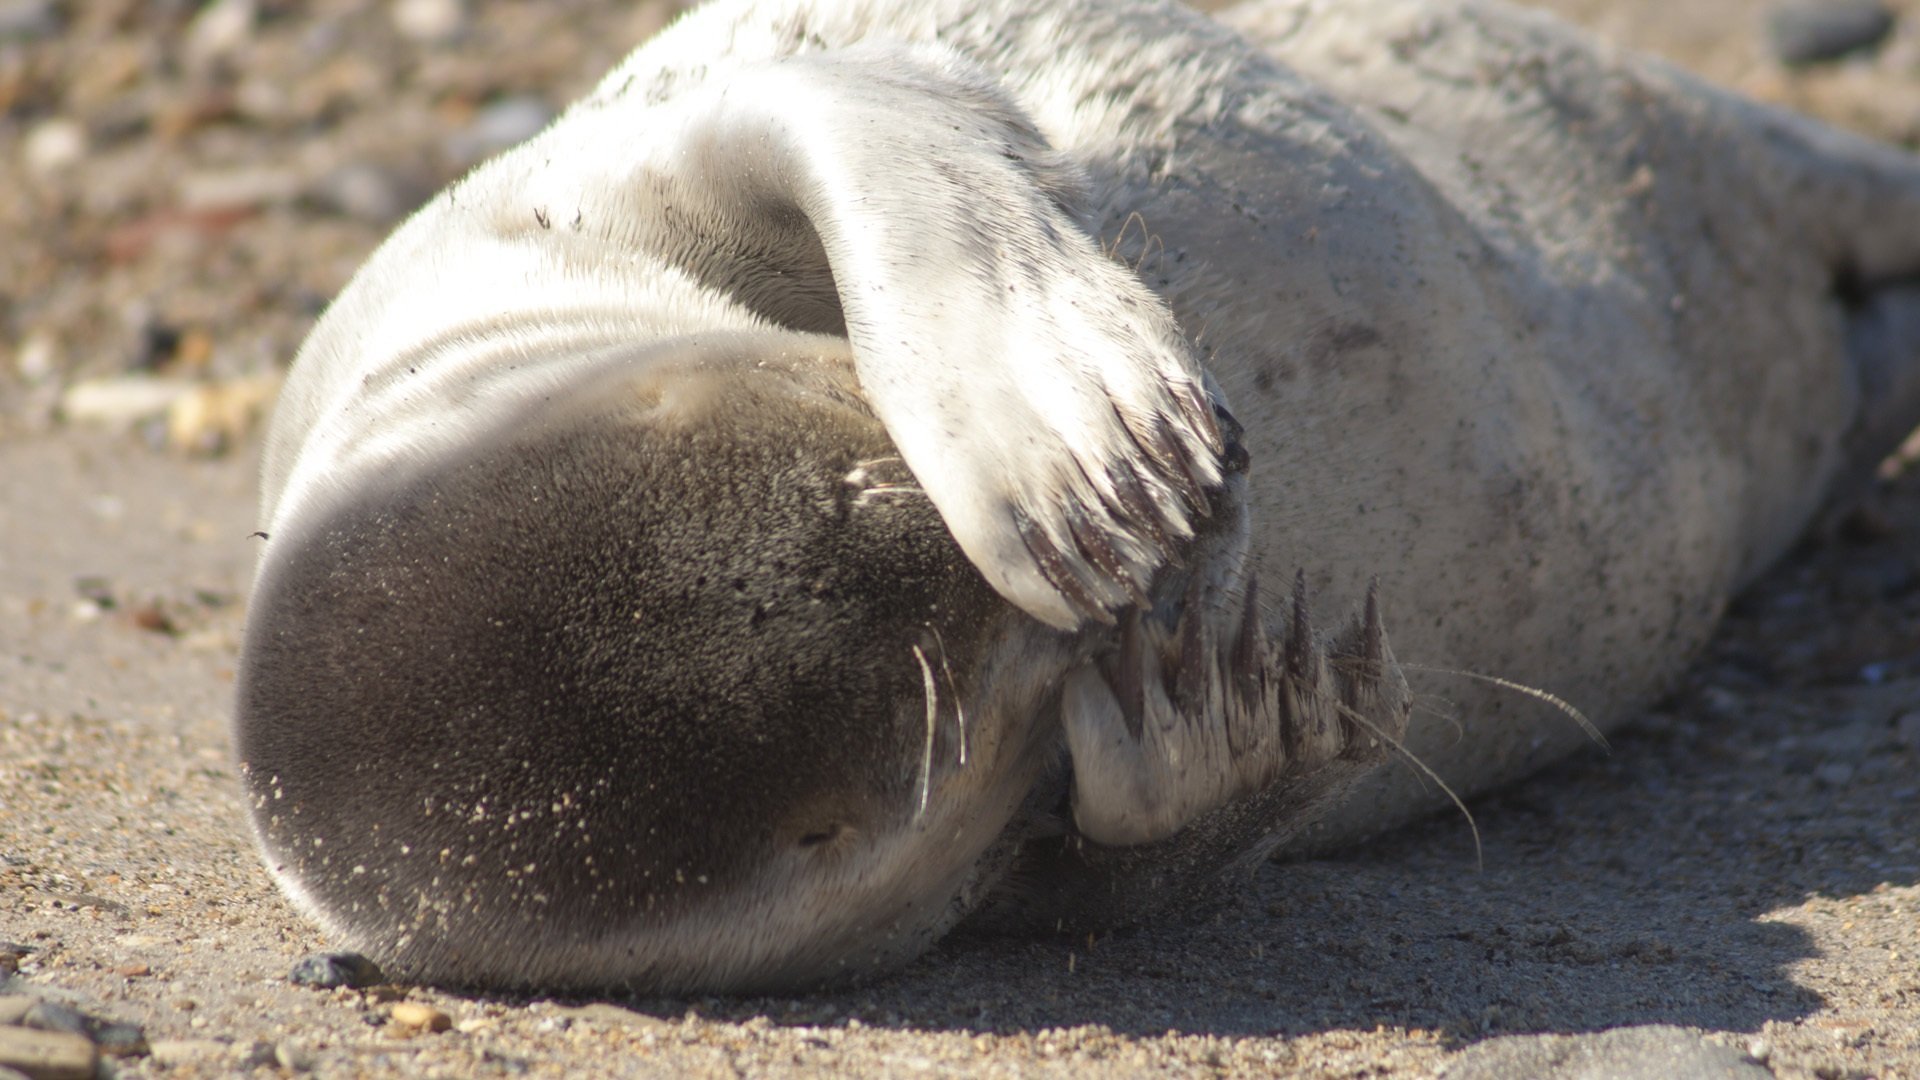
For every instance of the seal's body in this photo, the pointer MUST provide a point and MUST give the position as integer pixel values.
(696, 535)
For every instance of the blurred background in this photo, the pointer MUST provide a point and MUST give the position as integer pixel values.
(184, 185)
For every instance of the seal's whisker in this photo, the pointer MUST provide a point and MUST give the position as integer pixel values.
(1534, 692)
(1146, 249)
(933, 714)
(1479, 853)
(959, 708)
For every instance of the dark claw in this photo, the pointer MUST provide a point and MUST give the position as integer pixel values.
(1299, 647)
(1053, 567)
(1135, 509)
(1233, 454)
(1190, 685)
(1202, 409)
(1129, 683)
(1093, 543)
(1172, 459)
(1373, 640)
(1250, 651)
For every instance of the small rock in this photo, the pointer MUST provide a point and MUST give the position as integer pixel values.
(122, 401)
(172, 1052)
(1637, 1053)
(1834, 774)
(220, 28)
(367, 193)
(14, 1007)
(1811, 31)
(27, 20)
(329, 970)
(1906, 730)
(54, 145)
(48, 1055)
(1760, 1050)
(292, 1058)
(53, 1016)
(241, 188)
(214, 416)
(255, 1054)
(120, 1040)
(499, 125)
(430, 22)
(37, 357)
(420, 1016)
(601, 1012)
(135, 971)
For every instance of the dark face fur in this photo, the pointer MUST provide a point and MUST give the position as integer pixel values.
(660, 686)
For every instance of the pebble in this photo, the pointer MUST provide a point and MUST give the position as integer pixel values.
(37, 357)
(13, 1008)
(54, 145)
(48, 1055)
(120, 1040)
(601, 1012)
(242, 188)
(26, 20)
(1906, 730)
(255, 1054)
(1834, 774)
(172, 1052)
(213, 416)
(430, 22)
(121, 400)
(502, 124)
(219, 29)
(329, 970)
(365, 192)
(292, 1058)
(420, 1016)
(1812, 31)
(53, 1016)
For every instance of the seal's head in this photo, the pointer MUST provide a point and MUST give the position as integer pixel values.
(673, 681)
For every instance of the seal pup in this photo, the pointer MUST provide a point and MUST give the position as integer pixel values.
(866, 465)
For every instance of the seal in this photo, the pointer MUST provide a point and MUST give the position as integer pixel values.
(873, 465)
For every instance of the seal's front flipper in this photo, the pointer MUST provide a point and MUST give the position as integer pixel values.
(1181, 718)
(1041, 394)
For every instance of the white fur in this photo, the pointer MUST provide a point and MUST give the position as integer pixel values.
(1542, 337)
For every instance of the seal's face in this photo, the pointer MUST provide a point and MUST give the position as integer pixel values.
(676, 681)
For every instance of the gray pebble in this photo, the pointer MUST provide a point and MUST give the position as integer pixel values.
(499, 125)
(120, 1040)
(1834, 774)
(1655, 1052)
(53, 1016)
(1906, 730)
(329, 970)
(28, 20)
(366, 193)
(1811, 31)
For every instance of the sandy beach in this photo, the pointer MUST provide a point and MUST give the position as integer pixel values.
(1731, 889)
